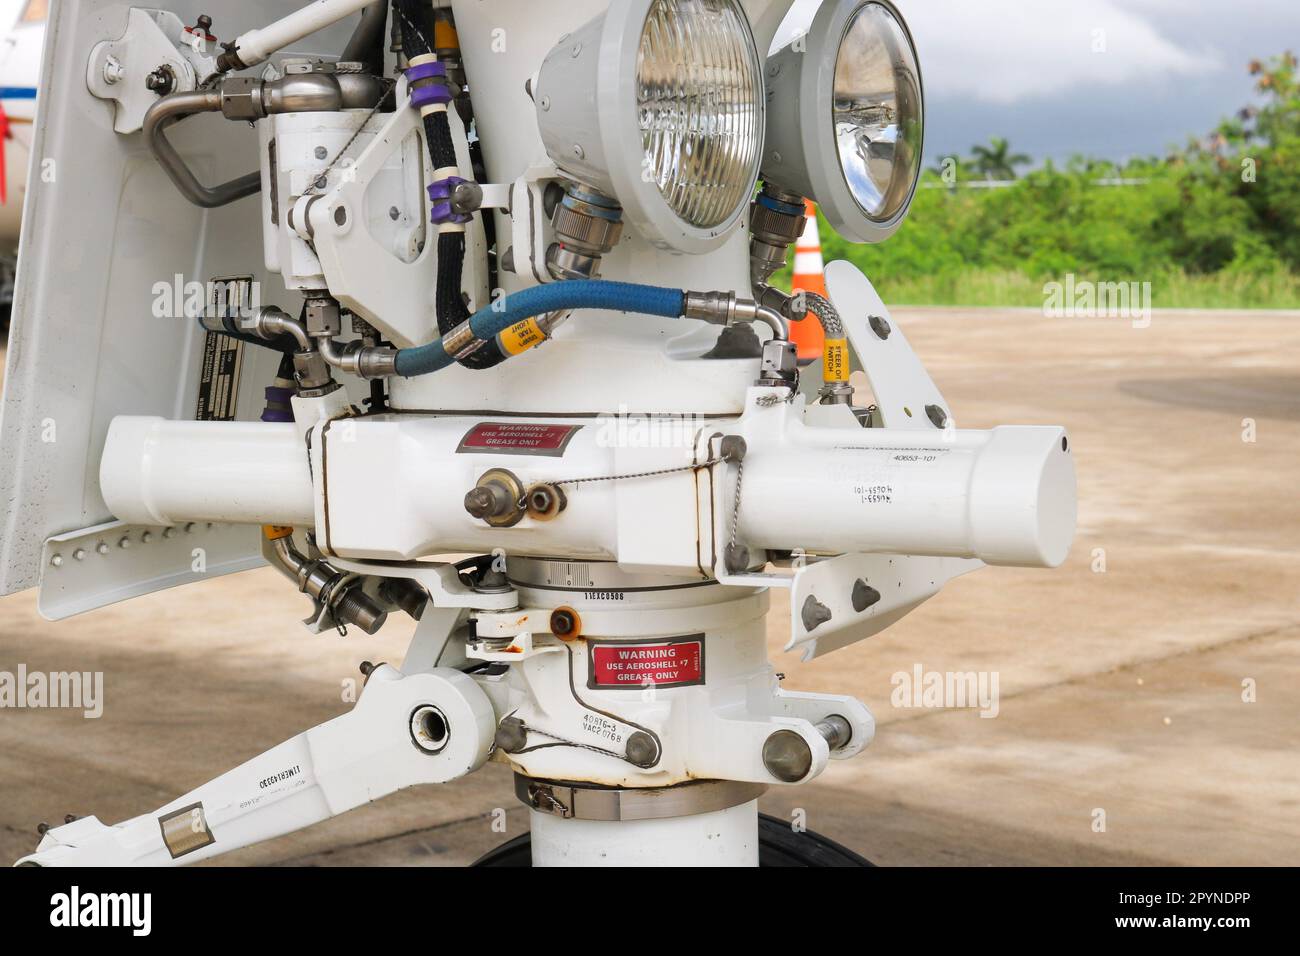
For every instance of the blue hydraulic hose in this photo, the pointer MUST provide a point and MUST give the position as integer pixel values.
(488, 322)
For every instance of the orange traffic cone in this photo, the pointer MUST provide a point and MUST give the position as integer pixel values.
(808, 277)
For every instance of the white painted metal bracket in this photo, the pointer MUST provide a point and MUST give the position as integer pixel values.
(529, 223)
(845, 599)
(93, 567)
(369, 278)
(902, 388)
(117, 68)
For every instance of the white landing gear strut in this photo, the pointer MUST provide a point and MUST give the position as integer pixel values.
(429, 727)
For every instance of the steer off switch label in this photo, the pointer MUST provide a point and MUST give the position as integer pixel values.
(517, 438)
(677, 662)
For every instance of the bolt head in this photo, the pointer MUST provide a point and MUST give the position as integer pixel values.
(565, 622)
(511, 735)
(787, 756)
(642, 750)
(733, 448)
(737, 557)
(479, 503)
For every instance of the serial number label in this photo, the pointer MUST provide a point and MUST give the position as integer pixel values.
(602, 727)
(874, 494)
(286, 774)
(677, 662)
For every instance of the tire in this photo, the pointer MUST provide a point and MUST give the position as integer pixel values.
(778, 845)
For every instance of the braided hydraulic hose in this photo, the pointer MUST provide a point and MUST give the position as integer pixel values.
(418, 48)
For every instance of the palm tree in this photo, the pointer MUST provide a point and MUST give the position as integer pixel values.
(997, 161)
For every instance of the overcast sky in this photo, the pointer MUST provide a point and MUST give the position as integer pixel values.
(1027, 70)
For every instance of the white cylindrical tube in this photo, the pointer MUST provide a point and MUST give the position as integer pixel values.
(257, 45)
(160, 472)
(1005, 496)
(721, 838)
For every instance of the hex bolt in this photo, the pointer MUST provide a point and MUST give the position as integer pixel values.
(124, 542)
(480, 502)
(642, 750)
(79, 554)
(879, 326)
(161, 81)
(787, 756)
(565, 623)
(733, 448)
(864, 595)
(101, 548)
(545, 501)
(511, 735)
(938, 417)
(814, 613)
(57, 561)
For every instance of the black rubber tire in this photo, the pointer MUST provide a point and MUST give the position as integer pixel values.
(778, 845)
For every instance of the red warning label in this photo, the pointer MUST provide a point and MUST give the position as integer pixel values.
(672, 663)
(517, 438)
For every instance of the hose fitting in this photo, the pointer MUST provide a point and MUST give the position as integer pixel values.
(587, 225)
(329, 588)
(776, 219)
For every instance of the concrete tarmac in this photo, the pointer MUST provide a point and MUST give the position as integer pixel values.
(1147, 708)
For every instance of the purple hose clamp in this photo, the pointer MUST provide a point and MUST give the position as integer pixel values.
(440, 195)
(422, 96)
(428, 83)
(278, 404)
(426, 71)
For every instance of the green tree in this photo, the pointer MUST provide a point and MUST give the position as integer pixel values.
(996, 161)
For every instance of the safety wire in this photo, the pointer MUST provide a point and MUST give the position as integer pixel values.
(708, 463)
(323, 178)
(522, 502)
